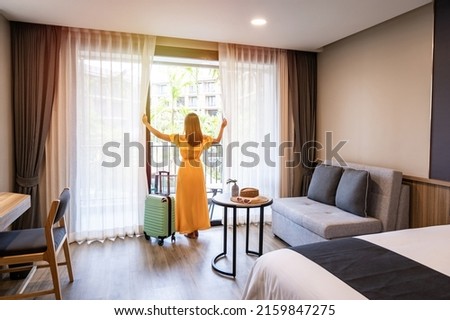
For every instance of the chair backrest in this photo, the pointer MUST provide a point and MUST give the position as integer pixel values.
(64, 198)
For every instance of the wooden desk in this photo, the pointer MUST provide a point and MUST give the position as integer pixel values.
(12, 206)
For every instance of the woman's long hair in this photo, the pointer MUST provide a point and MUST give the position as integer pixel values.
(192, 130)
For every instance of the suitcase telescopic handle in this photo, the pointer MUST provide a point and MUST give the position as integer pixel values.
(159, 184)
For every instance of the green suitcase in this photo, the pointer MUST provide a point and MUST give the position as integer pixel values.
(159, 215)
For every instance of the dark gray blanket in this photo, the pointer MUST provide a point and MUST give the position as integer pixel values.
(376, 272)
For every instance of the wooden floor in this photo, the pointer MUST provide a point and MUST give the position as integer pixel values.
(135, 268)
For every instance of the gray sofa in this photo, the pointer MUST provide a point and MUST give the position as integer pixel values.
(383, 206)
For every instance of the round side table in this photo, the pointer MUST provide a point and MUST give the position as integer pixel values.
(225, 201)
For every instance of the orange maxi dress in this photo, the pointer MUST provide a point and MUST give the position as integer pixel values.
(191, 203)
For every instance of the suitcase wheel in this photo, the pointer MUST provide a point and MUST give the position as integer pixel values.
(147, 237)
(160, 241)
(173, 238)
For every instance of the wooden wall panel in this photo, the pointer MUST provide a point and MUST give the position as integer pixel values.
(429, 202)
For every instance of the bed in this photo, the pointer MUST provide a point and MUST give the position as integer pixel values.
(406, 264)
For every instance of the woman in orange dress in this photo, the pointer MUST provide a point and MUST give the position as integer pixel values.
(191, 203)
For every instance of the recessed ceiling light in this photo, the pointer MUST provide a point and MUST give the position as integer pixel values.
(259, 21)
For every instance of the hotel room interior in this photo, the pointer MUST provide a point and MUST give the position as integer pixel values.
(376, 88)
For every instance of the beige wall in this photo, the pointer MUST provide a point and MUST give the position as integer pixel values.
(374, 90)
(6, 126)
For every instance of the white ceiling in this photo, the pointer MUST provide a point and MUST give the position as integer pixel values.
(292, 24)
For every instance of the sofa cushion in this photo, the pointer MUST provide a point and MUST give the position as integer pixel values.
(324, 183)
(327, 221)
(352, 191)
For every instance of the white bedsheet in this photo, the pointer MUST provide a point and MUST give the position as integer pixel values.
(286, 275)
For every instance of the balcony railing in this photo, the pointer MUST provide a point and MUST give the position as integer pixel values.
(165, 157)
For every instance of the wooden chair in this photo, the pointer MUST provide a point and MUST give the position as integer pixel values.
(37, 248)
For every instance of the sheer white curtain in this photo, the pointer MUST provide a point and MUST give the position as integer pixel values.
(252, 101)
(97, 142)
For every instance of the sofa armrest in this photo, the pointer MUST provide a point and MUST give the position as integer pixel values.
(403, 208)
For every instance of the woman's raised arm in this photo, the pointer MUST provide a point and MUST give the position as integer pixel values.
(154, 131)
(219, 136)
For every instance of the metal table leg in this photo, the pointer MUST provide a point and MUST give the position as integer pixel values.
(260, 236)
(225, 246)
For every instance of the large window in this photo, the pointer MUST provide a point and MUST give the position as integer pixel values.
(178, 87)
